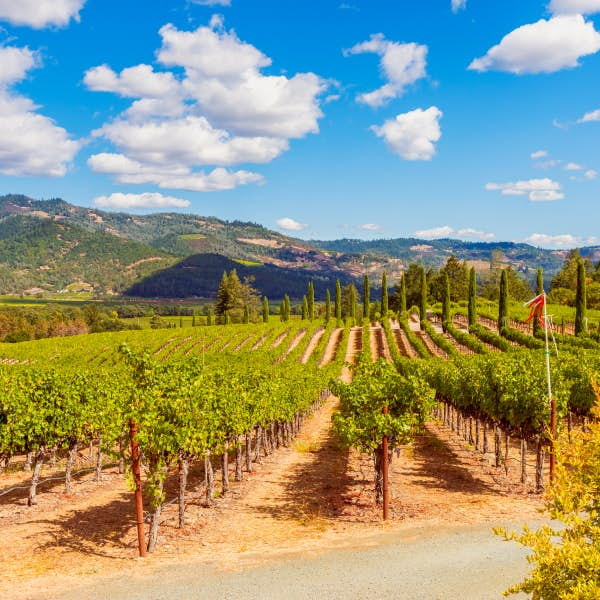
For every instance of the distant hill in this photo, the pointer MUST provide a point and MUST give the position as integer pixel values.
(199, 276)
(52, 244)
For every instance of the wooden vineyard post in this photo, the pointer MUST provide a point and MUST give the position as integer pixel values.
(552, 437)
(385, 471)
(139, 502)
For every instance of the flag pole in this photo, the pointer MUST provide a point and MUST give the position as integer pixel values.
(550, 398)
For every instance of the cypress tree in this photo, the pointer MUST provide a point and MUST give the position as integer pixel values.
(265, 311)
(445, 301)
(311, 301)
(384, 296)
(304, 308)
(180, 322)
(402, 296)
(581, 301)
(472, 297)
(327, 306)
(246, 318)
(282, 311)
(366, 298)
(539, 289)
(423, 297)
(287, 307)
(209, 316)
(338, 301)
(353, 303)
(503, 301)
(194, 319)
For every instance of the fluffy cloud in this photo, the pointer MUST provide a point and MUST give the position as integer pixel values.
(538, 190)
(590, 174)
(539, 154)
(543, 47)
(30, 143)
(290, 224)
(564, 240)
(447, 231)
(369, 227)
(412, 135)
(574, 7)
(573, 167)
(175, 177)
(590, 116)
(222, 111)
(148, 200)
(458, 5)
(401, 64)
(40, 13)
(212, 2)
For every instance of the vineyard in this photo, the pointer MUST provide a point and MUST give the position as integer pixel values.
(185, 415)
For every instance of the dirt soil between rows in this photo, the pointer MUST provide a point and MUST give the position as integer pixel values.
(308, 498)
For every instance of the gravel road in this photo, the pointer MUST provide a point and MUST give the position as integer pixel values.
(422, 563)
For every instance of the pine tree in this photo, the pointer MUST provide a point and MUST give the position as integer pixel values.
(423, 297)
(539, 289)
(338, 301)
(227, 318)
(445, 301)
(286, 307)
(503, 301)
(366, 298)
(402, 307)
(327, 306)
(311, 301)
(581, 300)
(223, 298)
(384, 296)
(304, 308)
(265, 311)
(472, 297)
(246, 318)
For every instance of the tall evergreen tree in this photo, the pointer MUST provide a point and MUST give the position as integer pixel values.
(327, 306)
(384, 296)
(304, 308)
(445, 301)
(282, 311)
(353, 302)
(265, 310)
(246, 317)
(472, 297)
(366, 298)
(287, 306)
(338, 301)
(402, 306)
(209, 316)
(581, 300)
(223, 297)
(194, 319)
(503, 301)
(423, 297)
(311, 301)
(539, 289)
(227, 318)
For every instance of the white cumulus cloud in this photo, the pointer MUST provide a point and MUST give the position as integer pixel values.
(290, 224)
(369, 227)
(435, 232)
(539, 154)
(593, 115)
(31, 144)
(412, 135)
(574, 7)
(538, 190)
(212, 2)
(573, 167)
(147, 200)
(475, 234)
(564, 240)
(445, 231)
(590, 174)
(401, 65)
(40, 13)
(543, 47)
(457, 5)
(213, 106)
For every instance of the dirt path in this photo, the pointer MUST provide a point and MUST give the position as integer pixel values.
(333, 344)
(293, 345)
(379, 347)
(312, 344)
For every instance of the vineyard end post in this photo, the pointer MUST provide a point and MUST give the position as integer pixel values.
(385, 469)
(139, 501)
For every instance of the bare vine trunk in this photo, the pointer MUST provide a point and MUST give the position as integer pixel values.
(153, 535)
(248, 452)
(497, 446)
(506, 450)
(71, 454)
(539, 465)
(225, 468)
(238, 459)
(210, 480)
(257, 441)
(99, 460)
(523, 460)
(37, 467)
(183, 470)
(486, 445)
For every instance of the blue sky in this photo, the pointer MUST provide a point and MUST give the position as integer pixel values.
(434, 118)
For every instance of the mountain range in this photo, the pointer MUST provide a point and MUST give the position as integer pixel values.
(52, 245)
